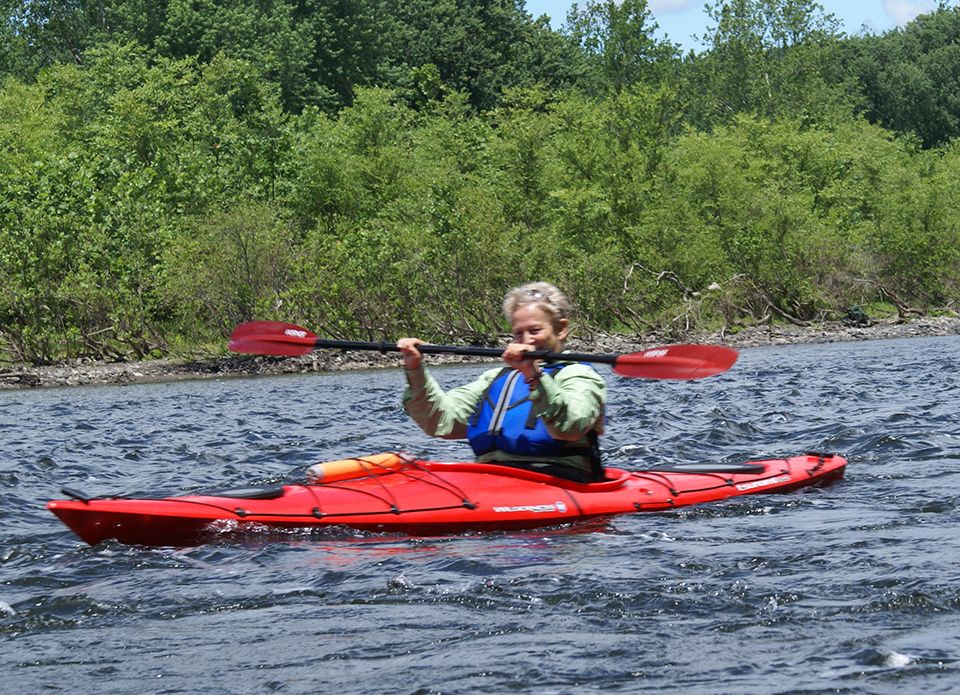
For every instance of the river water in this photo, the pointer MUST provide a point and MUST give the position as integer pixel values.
(851, 588)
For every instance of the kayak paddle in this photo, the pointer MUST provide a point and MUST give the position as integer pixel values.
(667, 362)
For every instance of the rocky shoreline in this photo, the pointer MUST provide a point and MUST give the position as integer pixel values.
(94, 373)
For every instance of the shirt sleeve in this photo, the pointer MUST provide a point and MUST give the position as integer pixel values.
(571, 403)
(442, 413)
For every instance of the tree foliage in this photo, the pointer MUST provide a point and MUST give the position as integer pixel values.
(371, 169)
(909, 76)
(619, 42)
(769, 57)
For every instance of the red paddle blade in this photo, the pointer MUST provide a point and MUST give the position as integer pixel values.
(284, 331)
(253, 346)
(271, 338)
(676, 362)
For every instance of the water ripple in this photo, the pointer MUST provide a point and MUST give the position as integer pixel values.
(852, 588)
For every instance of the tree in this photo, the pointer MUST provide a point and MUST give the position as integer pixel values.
(102, 166)
(619, 41)
(908, 76)
(480, 47)
(277, 36)
(769, 57)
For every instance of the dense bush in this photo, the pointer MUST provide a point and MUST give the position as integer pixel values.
(152, 198)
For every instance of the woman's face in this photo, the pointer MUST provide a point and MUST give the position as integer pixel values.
(531, 325)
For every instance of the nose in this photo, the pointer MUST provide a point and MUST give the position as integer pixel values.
(527, 338)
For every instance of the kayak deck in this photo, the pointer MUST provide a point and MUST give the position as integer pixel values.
(432, 498)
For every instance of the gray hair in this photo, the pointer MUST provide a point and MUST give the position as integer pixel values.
(542, 294)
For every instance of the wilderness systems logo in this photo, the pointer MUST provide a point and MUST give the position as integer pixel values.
(559, 507)
(295, 333)
(743, 487)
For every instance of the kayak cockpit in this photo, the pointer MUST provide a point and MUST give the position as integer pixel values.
(614, 477)
(256, 492)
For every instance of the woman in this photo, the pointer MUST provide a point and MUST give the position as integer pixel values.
(541, 416)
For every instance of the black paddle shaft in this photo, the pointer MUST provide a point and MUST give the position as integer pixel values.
(469, 350)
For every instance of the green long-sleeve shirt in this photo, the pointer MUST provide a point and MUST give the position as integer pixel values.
(570, 403)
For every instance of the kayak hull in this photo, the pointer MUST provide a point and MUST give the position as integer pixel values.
(424, 498)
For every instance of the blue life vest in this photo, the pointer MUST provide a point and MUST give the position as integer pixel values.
(505, 420)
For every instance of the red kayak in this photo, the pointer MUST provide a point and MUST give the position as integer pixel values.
(396, 493)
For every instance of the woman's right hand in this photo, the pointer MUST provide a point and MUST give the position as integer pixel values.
(411, 355)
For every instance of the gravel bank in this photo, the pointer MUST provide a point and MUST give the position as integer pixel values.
(88, 373)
